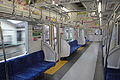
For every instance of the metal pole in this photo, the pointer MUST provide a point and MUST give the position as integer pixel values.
(51, 35)
(59, 42)
(54, 36)
(43, 36)
(29, 9)
(13, 13)
(2, 40)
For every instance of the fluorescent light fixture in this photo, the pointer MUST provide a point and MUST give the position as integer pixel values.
(53, 2)
(100, 21)
(14, 21)
(98, 0)
(100, 15)
(66, 10)
(99, 7)
(56, 4)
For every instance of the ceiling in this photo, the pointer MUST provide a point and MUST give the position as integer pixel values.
(108, 6)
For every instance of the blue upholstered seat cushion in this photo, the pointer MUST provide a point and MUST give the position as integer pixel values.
(28, 74)
(15, 78)
(26, 67)
(2, 71)
(74, 46)
(113, 74)
(42, 66)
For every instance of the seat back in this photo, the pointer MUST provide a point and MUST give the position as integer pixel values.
(36, 57)
(73, 43)
(2, 71)
(19, 64)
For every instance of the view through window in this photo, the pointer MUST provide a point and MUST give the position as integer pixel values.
(15, 38)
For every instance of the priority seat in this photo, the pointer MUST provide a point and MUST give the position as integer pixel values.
(26, 67)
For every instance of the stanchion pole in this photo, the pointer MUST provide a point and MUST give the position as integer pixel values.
(3, 46)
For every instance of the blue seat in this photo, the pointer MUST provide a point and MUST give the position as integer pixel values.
(113, 74)
(74, 46)
(26, 67)
(2, 71)
(87, 40)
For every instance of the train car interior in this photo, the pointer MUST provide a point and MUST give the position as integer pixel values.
(59, 39)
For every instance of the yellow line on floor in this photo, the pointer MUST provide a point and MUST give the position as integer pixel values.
(88, 42)
(80, 48)
(56, 67)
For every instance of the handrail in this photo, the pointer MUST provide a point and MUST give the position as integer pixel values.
(113, 50)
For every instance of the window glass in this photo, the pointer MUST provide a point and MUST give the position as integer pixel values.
(55, 35)
(71, 34)
(66, 34)
(47, 34)
(15, 38)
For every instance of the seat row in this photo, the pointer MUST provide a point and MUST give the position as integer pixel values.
(26, 67)
(29, 66)
(74, 46)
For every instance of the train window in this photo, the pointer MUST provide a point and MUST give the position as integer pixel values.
(47, 34)
(15, 38)
(66, 34)
(71, 34)
(55, 37)
(97, 31)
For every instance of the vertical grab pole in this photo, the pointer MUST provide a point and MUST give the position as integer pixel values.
(43, 36)
(13, 13)
(51, 35)
(2, 40)
(58, 41)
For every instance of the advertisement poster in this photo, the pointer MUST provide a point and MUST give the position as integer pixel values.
(36, 32)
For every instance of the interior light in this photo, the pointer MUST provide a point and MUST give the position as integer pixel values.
(56, 4)
(100, 21)
(99, 7)
(66, 10)
(100, 15)
(98, 0)
(53, 2)
(14, 21)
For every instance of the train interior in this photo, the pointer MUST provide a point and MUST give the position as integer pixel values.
(59, 40)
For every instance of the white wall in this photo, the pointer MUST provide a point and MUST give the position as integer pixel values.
(33, 45)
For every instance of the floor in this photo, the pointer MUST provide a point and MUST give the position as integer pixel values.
(84, 67)
(64, 69)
